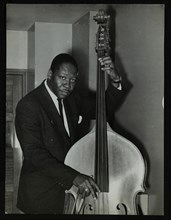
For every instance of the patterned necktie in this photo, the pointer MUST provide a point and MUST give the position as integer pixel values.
(61, 109)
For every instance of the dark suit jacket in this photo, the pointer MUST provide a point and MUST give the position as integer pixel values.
(45, 143)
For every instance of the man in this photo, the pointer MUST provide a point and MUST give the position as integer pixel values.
(46, 126)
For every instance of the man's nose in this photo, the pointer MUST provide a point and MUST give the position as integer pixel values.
(67, 83)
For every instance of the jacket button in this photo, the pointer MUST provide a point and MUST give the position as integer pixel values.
(59, 183)
(51, 139)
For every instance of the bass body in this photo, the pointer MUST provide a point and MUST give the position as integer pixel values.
(126, 174)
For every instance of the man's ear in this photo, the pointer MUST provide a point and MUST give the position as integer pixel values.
(49, 74)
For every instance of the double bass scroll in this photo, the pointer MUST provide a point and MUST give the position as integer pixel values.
(114, 162)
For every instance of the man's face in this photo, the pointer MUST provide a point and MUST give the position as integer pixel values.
(62, 81)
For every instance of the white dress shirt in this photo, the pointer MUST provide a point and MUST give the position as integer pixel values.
(55, 101)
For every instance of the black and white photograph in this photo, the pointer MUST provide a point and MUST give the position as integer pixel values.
(84, 116)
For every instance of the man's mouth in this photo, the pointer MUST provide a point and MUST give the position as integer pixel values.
(65, 92)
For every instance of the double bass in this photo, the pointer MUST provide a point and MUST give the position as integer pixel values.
(114, 162)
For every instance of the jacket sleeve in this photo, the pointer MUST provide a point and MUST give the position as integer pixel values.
(114, 97)
(87, 104)
(36, 156)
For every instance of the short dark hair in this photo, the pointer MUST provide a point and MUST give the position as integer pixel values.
(60, 59)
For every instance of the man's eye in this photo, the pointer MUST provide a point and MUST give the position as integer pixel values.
(73, 80)
(63, 77)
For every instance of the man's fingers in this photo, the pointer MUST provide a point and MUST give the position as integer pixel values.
(94, 188)
(105, 60)
(94, 185)
(87, 187)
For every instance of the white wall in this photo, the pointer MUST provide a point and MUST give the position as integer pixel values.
(16, 49)
(139, 32)
(31, 48)
(50, 40)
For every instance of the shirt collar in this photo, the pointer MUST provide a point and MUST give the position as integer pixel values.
(52, 95)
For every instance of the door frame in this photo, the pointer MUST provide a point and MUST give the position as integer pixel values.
(17, 153)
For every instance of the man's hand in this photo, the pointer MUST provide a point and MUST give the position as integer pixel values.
(86, 185)
(108, 67)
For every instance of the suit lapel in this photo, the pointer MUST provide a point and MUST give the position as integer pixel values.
(48, 105)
